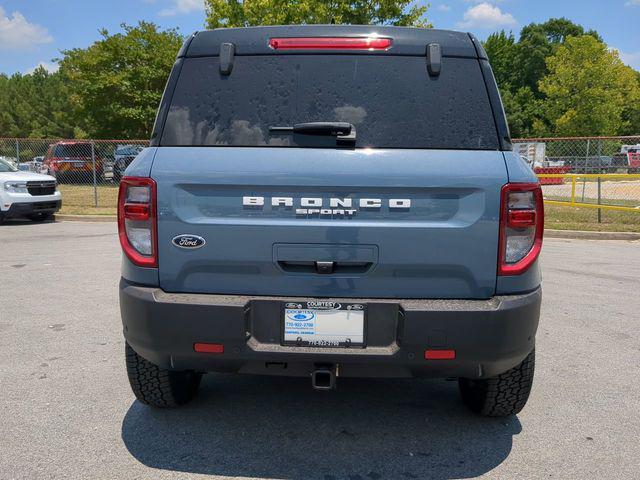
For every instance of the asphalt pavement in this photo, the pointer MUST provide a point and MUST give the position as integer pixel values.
(66, 410)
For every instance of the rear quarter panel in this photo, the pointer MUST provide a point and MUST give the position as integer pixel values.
(140, 167)
(519, 172)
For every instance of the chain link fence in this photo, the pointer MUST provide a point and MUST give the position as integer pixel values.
(587, 182)
(88, 171)
(588, 155)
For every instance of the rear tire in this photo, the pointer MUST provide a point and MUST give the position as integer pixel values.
(503, 395)
(158, 387)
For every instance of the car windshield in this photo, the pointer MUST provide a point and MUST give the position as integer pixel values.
(6, 167)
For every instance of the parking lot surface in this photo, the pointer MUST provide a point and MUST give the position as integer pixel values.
(66, 410)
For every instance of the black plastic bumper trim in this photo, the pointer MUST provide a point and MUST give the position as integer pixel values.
(489, 336)
(30, 208)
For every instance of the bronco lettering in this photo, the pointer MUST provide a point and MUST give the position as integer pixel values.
(340, 207)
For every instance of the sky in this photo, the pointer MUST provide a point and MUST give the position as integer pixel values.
(34, 32)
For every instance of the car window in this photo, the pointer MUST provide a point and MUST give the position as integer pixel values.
(6, 167)
(127, 151)
(391, 100)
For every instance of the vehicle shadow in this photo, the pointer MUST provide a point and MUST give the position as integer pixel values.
(272, 427)
(14, 222)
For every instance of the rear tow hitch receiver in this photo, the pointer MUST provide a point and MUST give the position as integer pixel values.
(323, 378)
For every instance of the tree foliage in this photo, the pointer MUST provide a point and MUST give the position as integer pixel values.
(116, 84)
(109, 90)
(246, 13)
(631, 112)
(34, 105)
(524, 112)
(587, 88)
(537, 42)
(530, 75)
(502, 50)
(555, 78)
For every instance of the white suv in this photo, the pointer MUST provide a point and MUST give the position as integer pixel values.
(27, 194)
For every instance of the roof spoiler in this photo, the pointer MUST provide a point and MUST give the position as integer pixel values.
(256, 41)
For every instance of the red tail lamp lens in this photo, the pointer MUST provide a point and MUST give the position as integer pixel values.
(137, 225)
(330, 43)
(521, 218)
(136, 211)
(521, 227)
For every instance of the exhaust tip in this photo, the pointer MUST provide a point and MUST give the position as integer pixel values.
(323, 379)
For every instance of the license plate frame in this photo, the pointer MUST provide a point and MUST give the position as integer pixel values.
(325, 316)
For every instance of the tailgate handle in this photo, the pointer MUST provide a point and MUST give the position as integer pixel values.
(325, 268)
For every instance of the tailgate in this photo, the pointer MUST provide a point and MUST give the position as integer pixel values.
(329, 222)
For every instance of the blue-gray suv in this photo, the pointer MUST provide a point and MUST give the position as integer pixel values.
(327, 202)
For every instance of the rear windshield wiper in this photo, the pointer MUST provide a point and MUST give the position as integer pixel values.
(344, 132)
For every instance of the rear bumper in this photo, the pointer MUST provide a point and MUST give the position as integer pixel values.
(30, 208)
(489, 336)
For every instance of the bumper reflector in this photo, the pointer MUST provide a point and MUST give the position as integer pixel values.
(208, 347)
(439, 354)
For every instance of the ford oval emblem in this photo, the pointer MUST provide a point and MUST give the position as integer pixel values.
(188, 241)
(301, 315)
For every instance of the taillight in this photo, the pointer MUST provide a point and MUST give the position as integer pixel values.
(521, 227)
(330, 43)
(137, 225)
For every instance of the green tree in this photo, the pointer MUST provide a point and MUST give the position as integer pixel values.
(7, 121)
(502, 50)
(519, 66)
(631, 111)
(34, 105)
(587, 89)
(537, 42)
(524, 113)
(116, 84)
(245, 13)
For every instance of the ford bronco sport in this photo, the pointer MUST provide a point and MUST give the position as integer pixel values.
(331, 201)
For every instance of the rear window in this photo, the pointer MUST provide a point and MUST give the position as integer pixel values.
(72, 150)
(391, 100)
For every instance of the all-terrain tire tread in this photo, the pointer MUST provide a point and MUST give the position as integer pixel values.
(156, 386)
(503, 395)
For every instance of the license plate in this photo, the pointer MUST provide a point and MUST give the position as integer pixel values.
(324, 324)
(73, 166)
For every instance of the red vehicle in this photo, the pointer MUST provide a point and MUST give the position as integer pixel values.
(72, 160)
(629, 158)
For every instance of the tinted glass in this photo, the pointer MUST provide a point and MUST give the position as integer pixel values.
(391, 100)
(72, 150)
